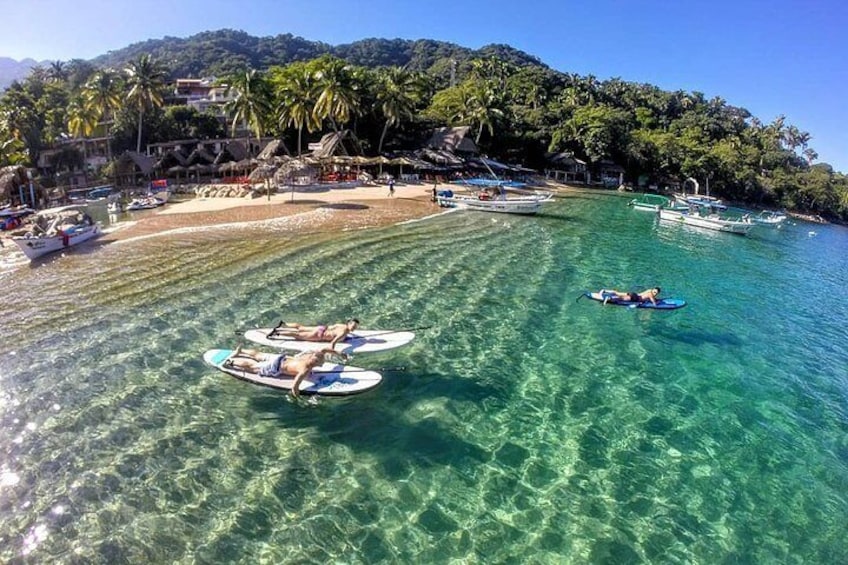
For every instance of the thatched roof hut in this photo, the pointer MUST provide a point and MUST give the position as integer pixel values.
(345, 143)
(275, 148)
(453, 140)
(131, 165)
(200, 156)
(172, 158)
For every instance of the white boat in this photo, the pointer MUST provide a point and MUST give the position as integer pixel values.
(710, 202)
(649, 202)
(145, 203)
(711, 222)
(523, 204)
(770, 219)
(56, 229)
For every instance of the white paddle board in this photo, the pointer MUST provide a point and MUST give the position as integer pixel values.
(360, 341)
(327, 379)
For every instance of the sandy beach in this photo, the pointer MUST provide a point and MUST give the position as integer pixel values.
(360, 207)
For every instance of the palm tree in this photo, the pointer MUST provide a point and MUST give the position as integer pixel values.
(480, 107)
(250, 103)
(58, 72)
(146, 79)
(82, 118)
(398, 92)
(337, 96)
(102, 94)
(296, 104)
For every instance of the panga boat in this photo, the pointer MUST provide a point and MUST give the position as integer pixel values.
(149, 201)
(770, 219)
(649, 202)
(712, 222)
(55, 229)
(483, 201)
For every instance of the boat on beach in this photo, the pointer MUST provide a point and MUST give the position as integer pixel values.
(55, 229)
(710, 222)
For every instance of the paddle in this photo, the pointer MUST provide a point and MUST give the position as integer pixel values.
(379, 369)
(353, 335)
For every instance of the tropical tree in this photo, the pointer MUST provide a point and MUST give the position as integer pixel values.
(398, 93)
(82, 118)
(102, 94)
(294, 88)
(146, 81)
(58, 72)
(250, 101)
(337, 97)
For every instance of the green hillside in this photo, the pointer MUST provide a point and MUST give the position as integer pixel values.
(222, 52)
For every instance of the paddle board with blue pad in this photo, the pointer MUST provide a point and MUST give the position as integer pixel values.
(360, 341)
(328, 379)
(662, 303)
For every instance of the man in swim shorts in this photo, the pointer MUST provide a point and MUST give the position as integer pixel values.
(333, 333)
(649, 295)
(279, 365)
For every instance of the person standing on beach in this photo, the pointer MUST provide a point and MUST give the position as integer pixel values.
(391, 187)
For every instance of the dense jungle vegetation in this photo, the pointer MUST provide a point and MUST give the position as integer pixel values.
(392, 92)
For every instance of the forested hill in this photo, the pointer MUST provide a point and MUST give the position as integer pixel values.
(222, 52)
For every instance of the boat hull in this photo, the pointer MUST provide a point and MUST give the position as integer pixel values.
(525, 206)
(35, 247)
(715, 224)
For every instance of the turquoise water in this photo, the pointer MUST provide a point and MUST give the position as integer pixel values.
(526, 427)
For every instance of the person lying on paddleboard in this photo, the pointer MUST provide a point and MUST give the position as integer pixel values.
(277, 365)
(649, 295)
(333, 333)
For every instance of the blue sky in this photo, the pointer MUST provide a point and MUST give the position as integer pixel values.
(771, 57)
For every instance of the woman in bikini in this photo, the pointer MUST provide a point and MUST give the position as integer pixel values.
(333, 333)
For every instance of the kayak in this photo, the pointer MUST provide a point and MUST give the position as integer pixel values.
(612, 300)
(360, 341)
(328, 379)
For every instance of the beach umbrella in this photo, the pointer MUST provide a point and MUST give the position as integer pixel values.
(401, 161)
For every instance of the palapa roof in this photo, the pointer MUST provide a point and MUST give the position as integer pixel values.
(333, 142)
(200, 156)
(453, 139)
(294, 168)
(441, 157)
(232, 151)
(170, 159)
(564, 158)
(274, 148)
(132, 161)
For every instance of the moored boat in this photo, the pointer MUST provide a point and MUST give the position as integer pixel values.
(712, 222)
(649, 202)
(55, 229)
(485, 202)
(770, 219)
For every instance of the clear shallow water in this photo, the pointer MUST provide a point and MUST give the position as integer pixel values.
(527, 426)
